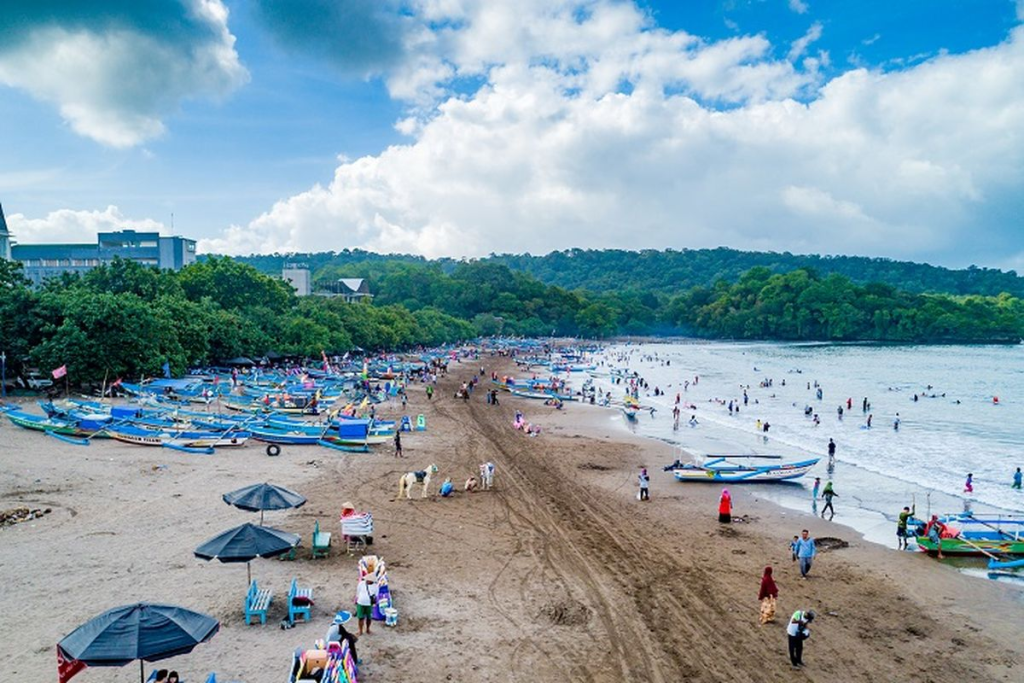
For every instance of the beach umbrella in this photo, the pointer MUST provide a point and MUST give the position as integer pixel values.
(260, 497)
(143, 631)
(245, 543)
(240, 360)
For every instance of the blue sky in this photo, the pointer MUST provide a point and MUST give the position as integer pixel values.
(466, 127)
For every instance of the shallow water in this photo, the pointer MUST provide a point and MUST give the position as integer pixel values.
(877, 470)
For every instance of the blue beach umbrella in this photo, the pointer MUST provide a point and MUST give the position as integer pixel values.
(245, 543)
(143, 631)
(260, 497)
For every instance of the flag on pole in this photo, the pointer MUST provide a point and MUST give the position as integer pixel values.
(60, 372)
(67, 667)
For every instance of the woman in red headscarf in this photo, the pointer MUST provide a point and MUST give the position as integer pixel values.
(768, 594)
(725, 507)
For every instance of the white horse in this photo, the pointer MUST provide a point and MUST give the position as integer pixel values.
(406, 481)
(486, 476)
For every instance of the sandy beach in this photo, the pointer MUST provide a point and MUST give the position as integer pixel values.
(558, 574)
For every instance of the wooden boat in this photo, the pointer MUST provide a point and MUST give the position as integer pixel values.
(968, 534)
(194, 440)
(44, 424)
(740, 469)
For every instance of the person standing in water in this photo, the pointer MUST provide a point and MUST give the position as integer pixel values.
(831, 450)
(896, 423)
(969, 484)
(901, 526)
(1016, 480)
(827, 494)
(817, 487)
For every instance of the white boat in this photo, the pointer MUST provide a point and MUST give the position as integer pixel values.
(741, 468)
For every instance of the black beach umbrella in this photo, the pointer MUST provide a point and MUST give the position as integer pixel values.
(143, 631)
(260, 497)
(245, 543)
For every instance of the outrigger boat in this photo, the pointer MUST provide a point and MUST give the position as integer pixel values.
(967, 534)
(741, 469)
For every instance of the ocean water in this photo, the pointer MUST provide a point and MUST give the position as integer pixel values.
(877, 470)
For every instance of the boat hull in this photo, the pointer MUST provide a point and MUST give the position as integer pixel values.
(957, 546)
(762, 475)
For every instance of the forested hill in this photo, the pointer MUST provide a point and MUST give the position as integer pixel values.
(672, 271)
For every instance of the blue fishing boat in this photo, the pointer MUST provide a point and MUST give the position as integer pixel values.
(740, 469)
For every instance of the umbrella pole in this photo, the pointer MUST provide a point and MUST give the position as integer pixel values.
(261, 517)
(248, 572)
(142, 672)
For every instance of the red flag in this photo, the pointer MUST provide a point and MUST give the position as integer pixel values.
(66, 667)
(116, 382)
(60, 372)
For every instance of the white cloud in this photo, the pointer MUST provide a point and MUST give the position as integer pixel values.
(799, 6)
(71, 226)
(593, 127)
(114, 81)
(800, 45)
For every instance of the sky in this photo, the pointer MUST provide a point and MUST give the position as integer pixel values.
(467, 127)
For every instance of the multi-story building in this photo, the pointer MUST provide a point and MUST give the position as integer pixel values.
(43, 261)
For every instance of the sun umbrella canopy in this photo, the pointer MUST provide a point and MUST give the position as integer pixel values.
(247, 542)
(241, 360)
(259, 497)
(140, 631)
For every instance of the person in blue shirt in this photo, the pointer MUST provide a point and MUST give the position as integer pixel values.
(805, 552)
(1016, 480)
(447, 488)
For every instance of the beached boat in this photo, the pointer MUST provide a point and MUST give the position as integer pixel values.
(741, 468)
(43, 424)
(140, 436)
(967, 534)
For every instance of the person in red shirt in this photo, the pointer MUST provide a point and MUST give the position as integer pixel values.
(725, 507)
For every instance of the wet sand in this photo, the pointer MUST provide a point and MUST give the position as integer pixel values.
(557, 574)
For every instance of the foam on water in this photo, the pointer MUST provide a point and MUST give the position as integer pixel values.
(938, 443)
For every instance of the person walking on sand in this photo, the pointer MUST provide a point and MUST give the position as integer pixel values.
(645, 483)
(768, 595)
(828, 494)
(805, 552)
(797, 633)
(366, 597)
(725, 507)
(901, 526)
(969, 484)
(398, 445)
(1016, 480)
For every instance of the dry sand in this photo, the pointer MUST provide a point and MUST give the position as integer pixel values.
(559, 574)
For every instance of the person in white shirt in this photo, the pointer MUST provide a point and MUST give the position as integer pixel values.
(798, 633)
(366, 597)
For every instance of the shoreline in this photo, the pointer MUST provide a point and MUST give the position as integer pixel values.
(558, 574)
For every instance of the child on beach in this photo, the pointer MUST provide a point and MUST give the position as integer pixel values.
(969, 484)
(793, 546)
